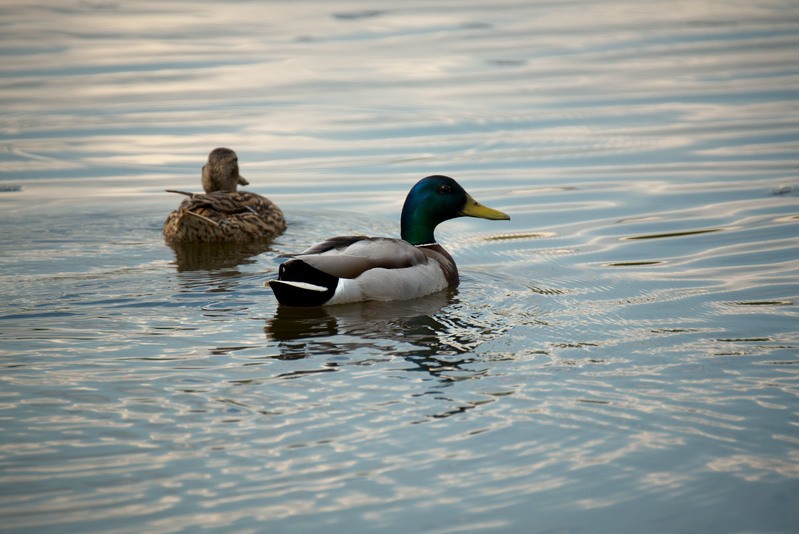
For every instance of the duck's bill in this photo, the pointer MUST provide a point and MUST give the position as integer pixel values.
(472, 208)
(242, 181)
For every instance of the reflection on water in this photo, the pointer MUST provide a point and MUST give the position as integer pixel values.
(431, 338)
(621, 359)
(212, 256)
(363, 319)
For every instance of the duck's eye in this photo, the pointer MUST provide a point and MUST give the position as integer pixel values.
(445, 189)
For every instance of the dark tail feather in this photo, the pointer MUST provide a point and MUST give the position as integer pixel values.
(299, 284)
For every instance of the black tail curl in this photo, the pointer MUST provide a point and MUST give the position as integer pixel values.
(296, 270)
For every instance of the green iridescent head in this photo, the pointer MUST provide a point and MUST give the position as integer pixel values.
(434, 200)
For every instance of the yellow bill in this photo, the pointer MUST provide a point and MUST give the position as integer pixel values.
(472, 208)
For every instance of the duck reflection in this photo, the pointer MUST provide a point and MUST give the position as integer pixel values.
(417, 330)
(209, 281)
(358, 318)
(213, 256)
(213, 267)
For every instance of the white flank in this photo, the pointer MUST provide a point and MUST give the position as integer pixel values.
(391, 284)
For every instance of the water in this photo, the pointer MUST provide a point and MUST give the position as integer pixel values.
(620, 356)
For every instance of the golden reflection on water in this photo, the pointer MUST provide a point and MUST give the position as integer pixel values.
(464, 92)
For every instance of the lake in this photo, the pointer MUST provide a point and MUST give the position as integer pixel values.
(620, 356)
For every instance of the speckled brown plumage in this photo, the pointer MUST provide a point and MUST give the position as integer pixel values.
(223, 217)
(222, 214)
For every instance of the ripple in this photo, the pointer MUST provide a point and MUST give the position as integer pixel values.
(675, 234)
(627, 340)
(635, 263)
(764, 303)
(362, 14)
(518, 235)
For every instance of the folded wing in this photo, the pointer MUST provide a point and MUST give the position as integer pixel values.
(351, 256)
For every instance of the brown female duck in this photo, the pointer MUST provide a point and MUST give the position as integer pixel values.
(222, 214)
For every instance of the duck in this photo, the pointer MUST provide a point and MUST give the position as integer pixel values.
(347, 269)
(223, 214)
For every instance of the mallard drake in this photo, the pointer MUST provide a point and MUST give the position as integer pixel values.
(222, 214)
(358, 268)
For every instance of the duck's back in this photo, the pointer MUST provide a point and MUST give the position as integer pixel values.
(220, 217)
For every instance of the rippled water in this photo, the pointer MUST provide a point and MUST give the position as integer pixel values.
(620, 356)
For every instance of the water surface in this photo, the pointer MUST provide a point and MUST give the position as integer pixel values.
(620, 356)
